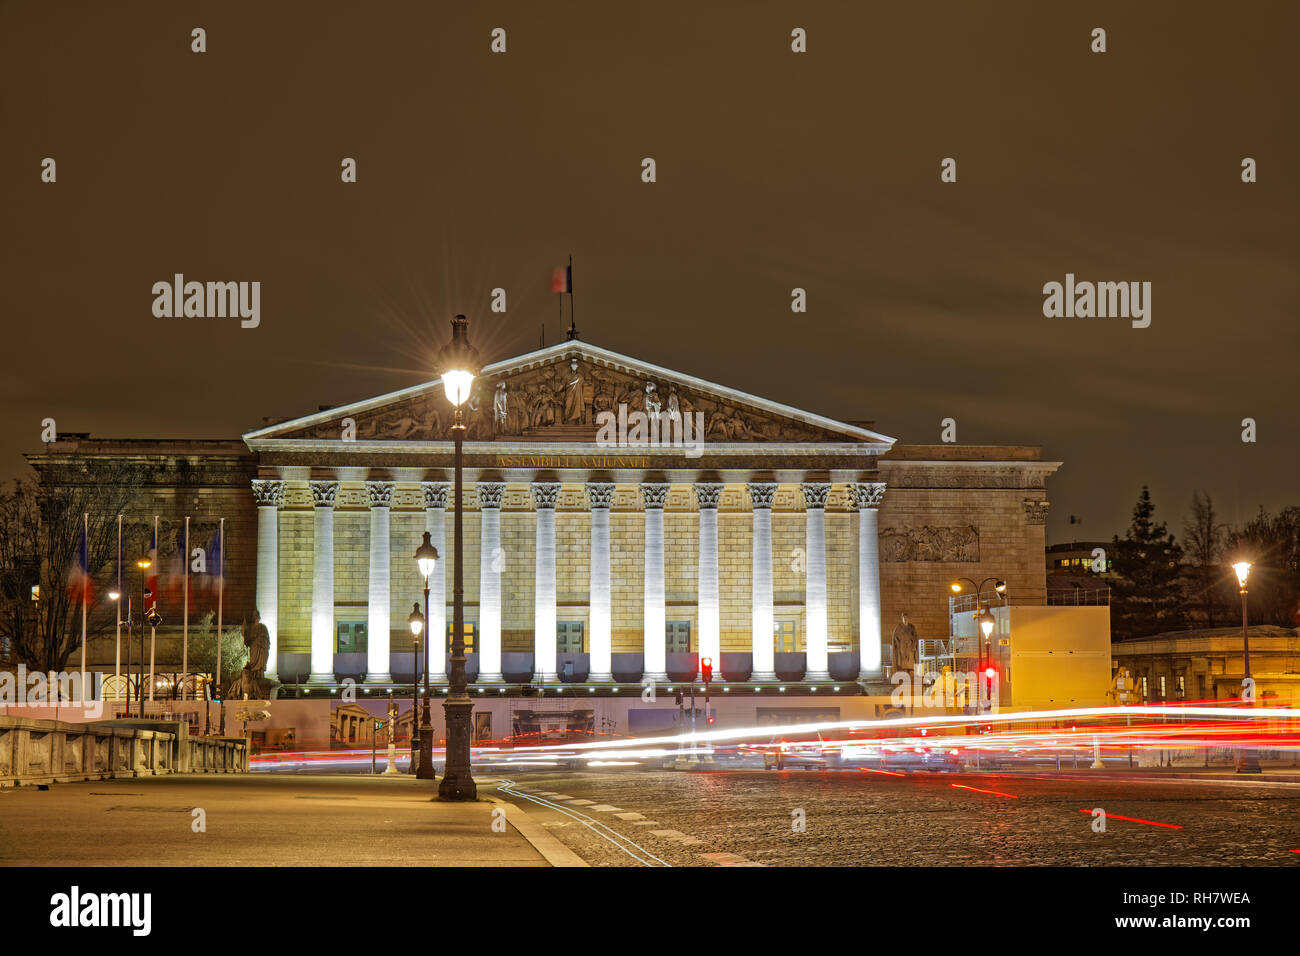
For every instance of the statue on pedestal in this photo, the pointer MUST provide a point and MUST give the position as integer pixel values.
(905, 646)
(252, 683)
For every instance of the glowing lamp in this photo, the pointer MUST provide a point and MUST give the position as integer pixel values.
(956, 587)
(459, 363)
(426, 556)
(1243, 572)
(113, 595)
(987, 623)
(416, 620)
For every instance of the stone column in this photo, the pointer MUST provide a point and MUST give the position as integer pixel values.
(491, 566)
(600, 496)
(269, 496)
(323, 494)
(867, 496)
(435, 522)
(654, 638)
(545, 495)
(762, 640)
(379, 624)
(707, 599)
(816, 638)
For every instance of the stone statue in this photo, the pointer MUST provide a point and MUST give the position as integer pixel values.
(575, 409)
(252, 683)
(499, 412)
(905, 646)
(674, 405)
(652, 405)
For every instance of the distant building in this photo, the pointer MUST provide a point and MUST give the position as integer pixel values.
(1209, 665)
(1077, 557)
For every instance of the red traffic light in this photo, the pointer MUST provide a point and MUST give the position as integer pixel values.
(990, 673)
(706, 669)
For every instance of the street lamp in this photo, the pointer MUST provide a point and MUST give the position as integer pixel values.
(459, 364)
(983, 616)
(1247, 759)
(426, 556)
(416, 620)
(143, 565)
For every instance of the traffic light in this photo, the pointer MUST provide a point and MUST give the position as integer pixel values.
(706, 669)
(153, 617)
(679, 699)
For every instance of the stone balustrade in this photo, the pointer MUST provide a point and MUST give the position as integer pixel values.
(52, 751)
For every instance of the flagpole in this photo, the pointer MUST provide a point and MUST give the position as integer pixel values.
(573, 322)
(85, 594)
(185, 615)
(221, 588)
(153, 631)
(117, 656)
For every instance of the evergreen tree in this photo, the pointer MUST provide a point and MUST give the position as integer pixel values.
(1146, 598)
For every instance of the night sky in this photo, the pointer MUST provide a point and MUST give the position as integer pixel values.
(775, 170)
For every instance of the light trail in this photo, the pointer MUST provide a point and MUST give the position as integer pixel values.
(996, 793)
(1152, 823)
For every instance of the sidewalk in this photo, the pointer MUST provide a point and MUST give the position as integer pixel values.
(256, 820)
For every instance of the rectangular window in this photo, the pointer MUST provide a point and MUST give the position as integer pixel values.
(1182, 687)
(784, 637)
(568, 637)
(1162, 686)
(351, 637)
(471, 636)
(677, 637)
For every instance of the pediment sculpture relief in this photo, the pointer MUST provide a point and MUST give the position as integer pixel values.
(563, 401)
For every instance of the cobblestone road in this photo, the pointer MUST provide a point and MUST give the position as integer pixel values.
(864, 819)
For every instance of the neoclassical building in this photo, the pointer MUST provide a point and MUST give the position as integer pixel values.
(622, 521)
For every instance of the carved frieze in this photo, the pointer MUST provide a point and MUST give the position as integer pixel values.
(561, 400)
(927, 543)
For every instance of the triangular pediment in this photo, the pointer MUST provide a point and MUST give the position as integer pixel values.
(559, 394)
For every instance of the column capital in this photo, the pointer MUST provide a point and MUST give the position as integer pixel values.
(545, 494)
(435, 493)
(489, 493)
(814, 493)
(323, 493)
(761, 493)
(654, 494)
(380, 493)
(268, 492)
(1036, 510)
(707, 494)
(600, 494)
(868, 494)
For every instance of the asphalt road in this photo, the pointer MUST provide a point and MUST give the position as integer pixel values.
(856, 818)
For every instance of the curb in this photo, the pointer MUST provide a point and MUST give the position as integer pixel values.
(552, 850)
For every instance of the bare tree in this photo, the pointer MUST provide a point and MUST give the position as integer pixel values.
(40, 543)
(1203, 543)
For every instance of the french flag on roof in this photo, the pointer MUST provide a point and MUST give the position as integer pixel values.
(562, 279)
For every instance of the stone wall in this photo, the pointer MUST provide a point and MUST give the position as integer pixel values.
(52, 751)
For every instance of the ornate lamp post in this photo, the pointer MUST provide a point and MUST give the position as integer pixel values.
(143, 565)
(459, 364)
(1247, 759)
(985, 619)
(416, 620)
(426, 555)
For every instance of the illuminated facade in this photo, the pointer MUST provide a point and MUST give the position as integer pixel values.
(606, 540)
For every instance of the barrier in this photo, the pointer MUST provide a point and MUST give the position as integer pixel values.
(52, 751)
